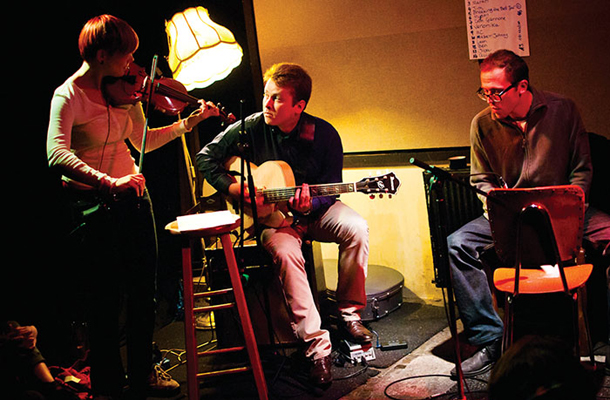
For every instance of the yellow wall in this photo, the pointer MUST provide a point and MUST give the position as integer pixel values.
(396, 75)
(399, 233)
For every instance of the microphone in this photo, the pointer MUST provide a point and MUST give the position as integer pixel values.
(441, 173)
(435, 170)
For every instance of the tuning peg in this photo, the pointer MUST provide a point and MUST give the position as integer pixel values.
(371, 196)
(381, 195)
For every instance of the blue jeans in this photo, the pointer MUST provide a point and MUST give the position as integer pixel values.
(470, 283)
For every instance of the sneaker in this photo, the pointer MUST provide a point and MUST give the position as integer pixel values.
(205, 321)
(160, 382)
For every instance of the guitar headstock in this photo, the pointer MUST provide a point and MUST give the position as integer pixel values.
(387, 183)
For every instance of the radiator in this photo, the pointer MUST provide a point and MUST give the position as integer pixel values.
(459, 205)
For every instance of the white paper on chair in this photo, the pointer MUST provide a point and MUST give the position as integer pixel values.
(551, 270)
(195, 222)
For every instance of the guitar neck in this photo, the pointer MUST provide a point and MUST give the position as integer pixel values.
(330, 189)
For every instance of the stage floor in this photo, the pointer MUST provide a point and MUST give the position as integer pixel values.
(421, 371)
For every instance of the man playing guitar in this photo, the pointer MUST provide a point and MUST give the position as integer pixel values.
(312, 149)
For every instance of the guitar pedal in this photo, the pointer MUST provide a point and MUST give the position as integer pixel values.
(356, 353)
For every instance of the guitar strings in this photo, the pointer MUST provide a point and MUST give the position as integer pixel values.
(281, 194)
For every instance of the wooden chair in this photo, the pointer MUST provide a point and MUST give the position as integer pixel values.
(537, 227)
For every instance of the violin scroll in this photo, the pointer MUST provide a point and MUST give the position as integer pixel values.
(226, 118)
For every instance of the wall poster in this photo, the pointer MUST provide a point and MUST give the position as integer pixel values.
(494, 25)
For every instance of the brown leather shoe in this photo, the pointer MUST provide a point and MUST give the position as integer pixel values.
(320, 374)
(356, 332)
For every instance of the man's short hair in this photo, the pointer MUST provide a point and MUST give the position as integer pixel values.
(514, 66)
(292, 76)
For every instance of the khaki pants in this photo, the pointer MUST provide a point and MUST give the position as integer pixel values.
(339, 224)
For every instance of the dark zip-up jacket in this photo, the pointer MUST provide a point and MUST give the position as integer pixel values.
(553, 150)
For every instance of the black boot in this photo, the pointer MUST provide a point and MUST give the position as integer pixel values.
(481, 361)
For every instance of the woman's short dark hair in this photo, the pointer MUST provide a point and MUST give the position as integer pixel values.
(106, 32)
(292, 76)
(514, 66)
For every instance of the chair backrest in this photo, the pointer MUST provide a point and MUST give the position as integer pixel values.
(513, 211)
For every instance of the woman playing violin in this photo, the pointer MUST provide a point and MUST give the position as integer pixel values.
(113, 228)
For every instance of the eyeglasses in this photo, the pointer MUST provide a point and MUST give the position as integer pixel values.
(495, 97)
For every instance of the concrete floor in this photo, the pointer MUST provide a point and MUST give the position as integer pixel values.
(423, 374)
(419, 375)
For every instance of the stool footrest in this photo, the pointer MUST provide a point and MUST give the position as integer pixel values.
(213, 307)
(202, 375)
(212, 293)
(221, 351)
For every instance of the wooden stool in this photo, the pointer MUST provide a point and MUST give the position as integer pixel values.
(192, 354)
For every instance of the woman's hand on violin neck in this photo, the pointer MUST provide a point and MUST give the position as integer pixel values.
(207, 109)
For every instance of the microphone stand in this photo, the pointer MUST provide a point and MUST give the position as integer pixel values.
(245, 166)
(441, 176)
(246, 175)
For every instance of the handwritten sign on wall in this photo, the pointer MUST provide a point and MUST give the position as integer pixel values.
(496, 24)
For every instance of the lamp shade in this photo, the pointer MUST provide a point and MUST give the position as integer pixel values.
(201, 52)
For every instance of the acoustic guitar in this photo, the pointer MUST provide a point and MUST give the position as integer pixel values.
(274, 181)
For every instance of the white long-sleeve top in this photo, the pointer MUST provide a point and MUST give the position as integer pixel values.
(87, 140)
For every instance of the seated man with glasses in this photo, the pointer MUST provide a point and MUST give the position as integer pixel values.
(529, 138)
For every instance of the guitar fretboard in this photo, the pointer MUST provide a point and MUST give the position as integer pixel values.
(331, 189)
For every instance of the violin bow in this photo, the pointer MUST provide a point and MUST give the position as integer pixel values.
(143, 147)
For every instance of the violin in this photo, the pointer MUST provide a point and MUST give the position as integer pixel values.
(169, 96)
